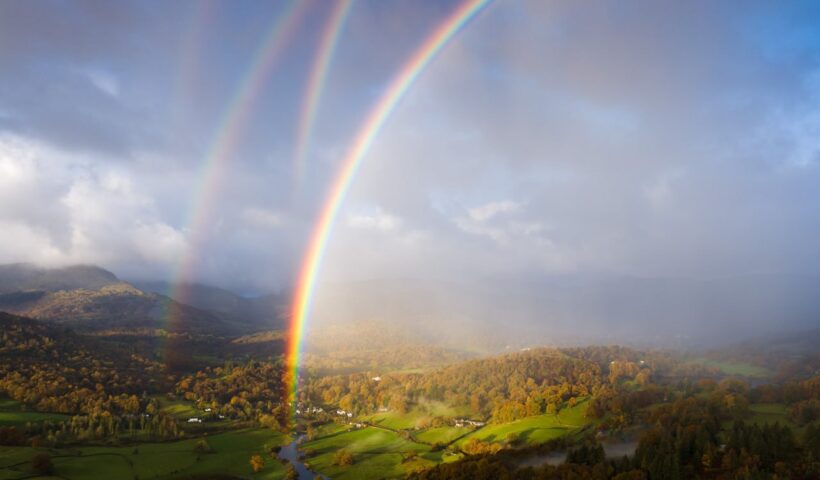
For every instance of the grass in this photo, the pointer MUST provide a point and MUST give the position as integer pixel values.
(536, 429)
(770, 413)
(734, 368)
(179, 409)
(156, 460)
(763, 413)
(442, 435)
(377, 453)
(416, 417)
(13, 413)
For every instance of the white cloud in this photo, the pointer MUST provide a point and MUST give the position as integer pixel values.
(104, 81)
(488, 211)
(262, 218)
(376, 220)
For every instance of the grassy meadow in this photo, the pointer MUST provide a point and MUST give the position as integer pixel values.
(377, 453)
(231, 455)
(536, 429)
(13, 413)
(734, 368)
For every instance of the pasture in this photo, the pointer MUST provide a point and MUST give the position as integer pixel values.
(734, 368)
(377, 453)
(231, 455)
(536, 429)
(14, 413)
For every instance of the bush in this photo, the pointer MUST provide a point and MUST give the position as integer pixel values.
(41, 464)
(257, 463)
(343, 458)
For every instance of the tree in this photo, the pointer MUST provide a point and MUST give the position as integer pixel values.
(291, 473)
(202, 446)
(41, 464)
(343, 458)
(257, 463)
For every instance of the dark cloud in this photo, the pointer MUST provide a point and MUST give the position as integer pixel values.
(639, 138)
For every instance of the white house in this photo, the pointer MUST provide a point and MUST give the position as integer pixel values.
(194, 420)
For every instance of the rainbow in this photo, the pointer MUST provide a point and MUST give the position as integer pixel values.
(315, 85)
(228, 133)
(373, 123)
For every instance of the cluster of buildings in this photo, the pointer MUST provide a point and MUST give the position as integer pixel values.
(462, 422)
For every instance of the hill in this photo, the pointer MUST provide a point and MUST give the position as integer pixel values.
(248, 314)
(25, 276)
(92, 299)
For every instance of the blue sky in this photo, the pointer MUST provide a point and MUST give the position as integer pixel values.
(634, 138)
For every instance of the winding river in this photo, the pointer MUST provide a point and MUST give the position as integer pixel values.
(290, 452)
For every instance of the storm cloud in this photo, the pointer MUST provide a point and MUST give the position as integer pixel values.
(549, 138)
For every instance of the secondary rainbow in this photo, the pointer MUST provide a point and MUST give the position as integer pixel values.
(316, 81)
(228, 133)
(375, 119)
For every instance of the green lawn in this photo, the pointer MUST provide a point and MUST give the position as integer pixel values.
(396, 420)
(377, 453)
(763, 413)
(180, 409)
(769, 413)
(156, 460)
(734, 368)
(416, 417)
(442, 435)
(536, 429)
(13, 413)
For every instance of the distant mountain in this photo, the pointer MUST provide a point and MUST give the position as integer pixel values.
(261, 313)
(92, 299)
(25, 276)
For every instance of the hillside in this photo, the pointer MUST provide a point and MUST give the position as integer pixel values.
(250, 313)
(39, 361)
(25, 276)
(92, 299)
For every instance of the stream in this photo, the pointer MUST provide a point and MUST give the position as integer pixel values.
(290, 452)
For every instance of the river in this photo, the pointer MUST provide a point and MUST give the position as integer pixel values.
(290, 452)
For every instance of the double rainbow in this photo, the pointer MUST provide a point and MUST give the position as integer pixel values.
(315, 85)
(228, 133)
(373, 123)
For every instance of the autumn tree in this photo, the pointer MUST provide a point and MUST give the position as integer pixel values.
(343, 458)
(257, 463)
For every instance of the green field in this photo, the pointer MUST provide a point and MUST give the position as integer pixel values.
(13, 413)
(763, 413)
(769, 413)
(180, 409)
(734, 368)
(536, 429)
(232, 452)
(416, 417)
(377, 453)
(442, 435)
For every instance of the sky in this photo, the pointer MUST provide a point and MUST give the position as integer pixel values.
(639, 138)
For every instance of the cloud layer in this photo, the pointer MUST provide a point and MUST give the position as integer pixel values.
(548, 138)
